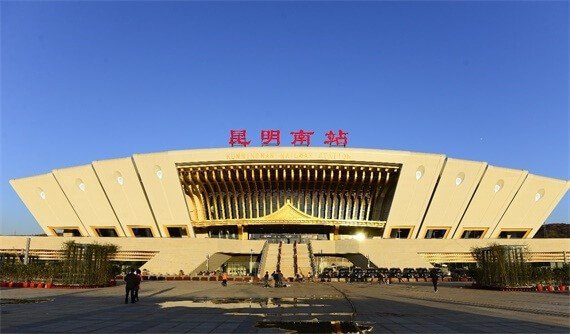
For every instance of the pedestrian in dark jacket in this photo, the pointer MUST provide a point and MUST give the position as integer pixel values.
(434, 278)
(266, 280)
(275, 279)
(138, 287)
(132, 280)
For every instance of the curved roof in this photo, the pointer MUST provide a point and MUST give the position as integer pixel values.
(153, 191)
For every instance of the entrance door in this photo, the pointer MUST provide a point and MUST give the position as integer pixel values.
(288, 234)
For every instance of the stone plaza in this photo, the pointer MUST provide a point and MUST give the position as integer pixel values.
(241, 307)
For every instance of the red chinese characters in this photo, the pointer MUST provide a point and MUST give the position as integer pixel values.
(301, 137)
(239, 137)
(338, 140)
(270, 137)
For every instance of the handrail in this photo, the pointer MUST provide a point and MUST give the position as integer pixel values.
(312, 258)
(262, 262)
(279, 256)
(295, 261)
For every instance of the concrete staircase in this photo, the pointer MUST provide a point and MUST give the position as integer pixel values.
(269, 261)
(303, 260)
(287, 260)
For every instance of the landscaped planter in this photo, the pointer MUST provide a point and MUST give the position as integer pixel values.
(516, 288)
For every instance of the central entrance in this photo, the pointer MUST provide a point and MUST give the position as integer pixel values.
(288, 234)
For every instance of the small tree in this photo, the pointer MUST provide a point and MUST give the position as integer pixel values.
(502, 266)
(88, 264)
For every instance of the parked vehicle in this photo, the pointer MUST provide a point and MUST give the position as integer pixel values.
(422, 273)
(357, 275)
(383, 274)
(371, 273)
(459, 273)
(343, 273)
(443, 269)
(384, 271)
(326, 274)
(438, 271)
(395, 273)
(409, 273)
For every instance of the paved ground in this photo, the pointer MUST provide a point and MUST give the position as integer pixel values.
(202, 307)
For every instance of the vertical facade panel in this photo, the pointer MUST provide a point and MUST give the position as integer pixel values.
(82, 188)
(456, 186)
(126, 194)
(164, 190)
(48, 204)
(492, 198)
(531, 206)
(416, 184)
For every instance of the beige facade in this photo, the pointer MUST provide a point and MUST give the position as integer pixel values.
(168, 256)
(161, 200)
(428, 195)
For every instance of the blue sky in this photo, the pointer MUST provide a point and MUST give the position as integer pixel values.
(84, 81)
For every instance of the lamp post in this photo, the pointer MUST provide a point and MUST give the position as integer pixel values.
(208, 262)
(367, 261)
(320, 262)
(250, 262)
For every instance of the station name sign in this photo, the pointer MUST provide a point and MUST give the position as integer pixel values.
(299, 138)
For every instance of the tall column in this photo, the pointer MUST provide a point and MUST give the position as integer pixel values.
(241, 233)
(335, 233)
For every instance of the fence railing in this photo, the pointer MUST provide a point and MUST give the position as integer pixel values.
(263, 260)
(53, 254)
(279, 256)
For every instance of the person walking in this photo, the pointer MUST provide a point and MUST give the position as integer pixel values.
(281, 278)
(275, 279)
(137, 288)
(224, 279)
(266, 280)
(131, 280)
(434, 278)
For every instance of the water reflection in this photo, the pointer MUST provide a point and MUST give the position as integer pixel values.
(24, 301)
(235, 303)
(316, 326)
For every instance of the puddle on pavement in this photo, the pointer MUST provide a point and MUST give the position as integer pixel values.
(297, 314)
(317, 326)
(6, 301)
(253, 303)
